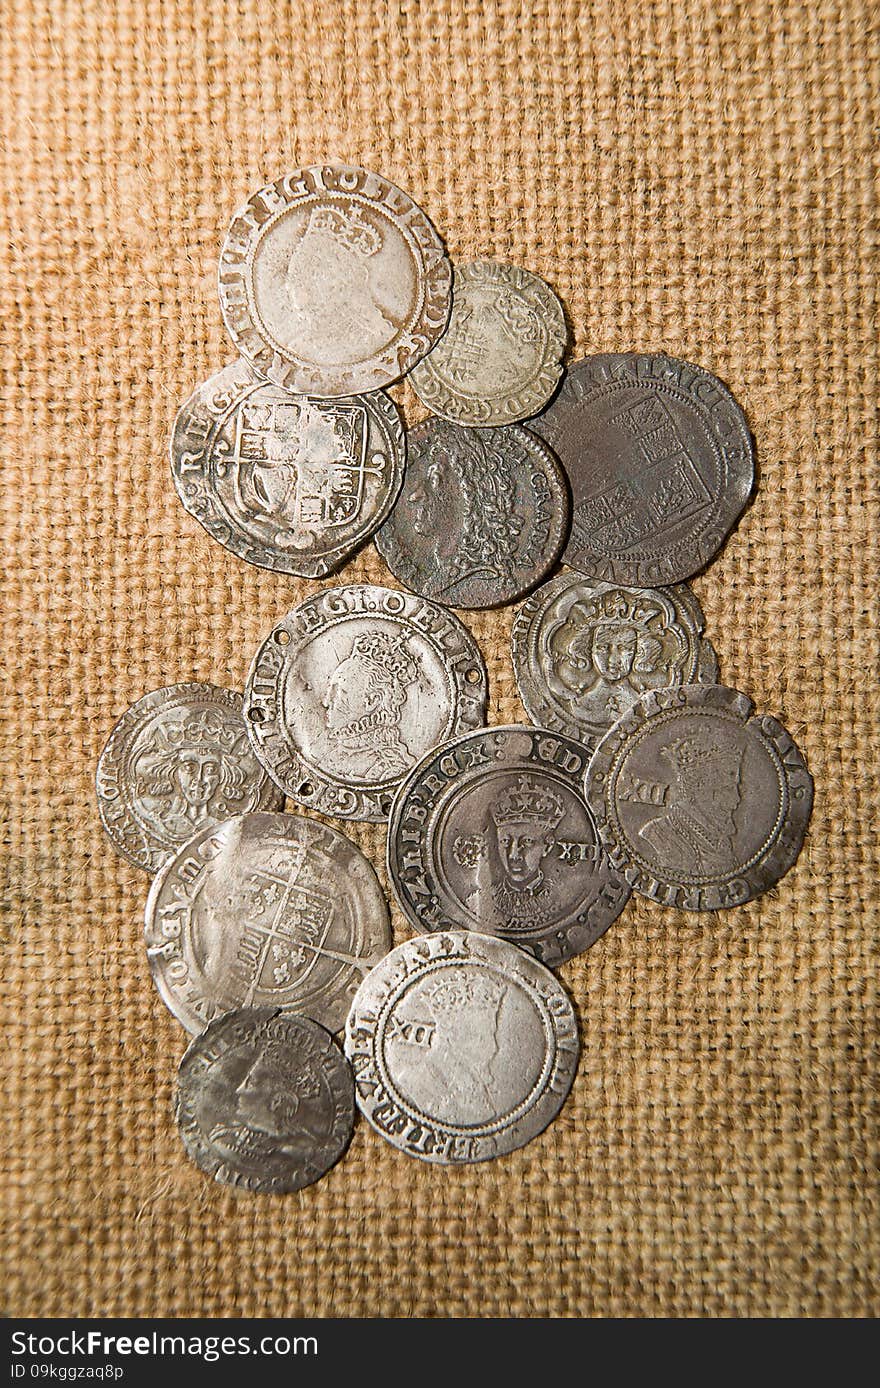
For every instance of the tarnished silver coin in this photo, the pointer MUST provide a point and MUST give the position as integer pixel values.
(178, 761)
(333, 282)
(492, 833)
(500, 358)
(584, 651)
(265, 910)
(701, 802)
(285, 481)
(482, 517)
(660, 461)
(352, 687)
(463, 1047)
(265, 1101)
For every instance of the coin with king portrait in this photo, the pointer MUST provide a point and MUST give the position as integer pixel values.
(333, 282)
(491, 833)
(352, 687)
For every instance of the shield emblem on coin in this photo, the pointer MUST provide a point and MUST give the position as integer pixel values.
(302, 462)
(292, 923)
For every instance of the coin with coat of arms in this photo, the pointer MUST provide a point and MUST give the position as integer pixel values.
(352, 687)
(701, 802)
(178, 760)
(265, 1101)
(286, 482)
(584, 651)
(265, 910)
(500, 358)
(660, 461)
(491, 833)
(463, 1047)
(482, 516)
(333, 282)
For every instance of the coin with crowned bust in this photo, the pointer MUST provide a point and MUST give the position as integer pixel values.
(265, 909)
(352, 687)
(177, 761)
(660, 461)
(463, 1047)
(286, 482)
(491, 833)
(482, 516)
(265, 1101)
(701, 802)
(333, 282)
(584, 651)
(500, 358)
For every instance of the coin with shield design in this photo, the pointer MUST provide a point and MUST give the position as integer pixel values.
(178, 760)
(265, 1101)
(289, 483)
(265, 910)
(702, 803)
(463, 1047)
(492, 833)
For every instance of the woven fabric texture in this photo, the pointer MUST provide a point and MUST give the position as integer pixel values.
(689, 176)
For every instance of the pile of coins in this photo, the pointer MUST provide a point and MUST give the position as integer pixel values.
(510, 849)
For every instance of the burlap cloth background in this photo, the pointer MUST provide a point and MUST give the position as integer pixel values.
(691, 177)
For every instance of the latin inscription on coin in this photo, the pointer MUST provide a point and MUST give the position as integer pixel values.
(286, 482)
(178, 760)
(501, 356)
(265, 909)
(492, 833)
(660, 461)
(700, 801)
(584, 651)
(482, 517)
(463, 1047)
(352, 687)
(265, 1101)
(333, 282)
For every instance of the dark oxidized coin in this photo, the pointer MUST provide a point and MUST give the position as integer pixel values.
(700, 801)
(584, 651)
(265, 1101)
(660, 461)
(482, 517)
(178, 761)
(492, 833)
(284, 481)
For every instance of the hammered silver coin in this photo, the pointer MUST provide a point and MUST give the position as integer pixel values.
(178, 761)
(333, 282)
(482, 517)
(265, 910)
(500, 358)
(352, 687)
(584, 651)
(701, 802)
(463, 1047)
(660, 461)
(492, 833)
(287, 482)
(265, 1101)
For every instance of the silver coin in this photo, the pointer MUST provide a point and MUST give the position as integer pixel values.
(584, 651)
(660, 461)
(178, 761)
(492, 833)
(333, 282)
(482, 517)
(500, 358)
(352, 687)
(265, 1101)
(265, 910)
(463, 1047)
(701, 802)
(284, 481)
